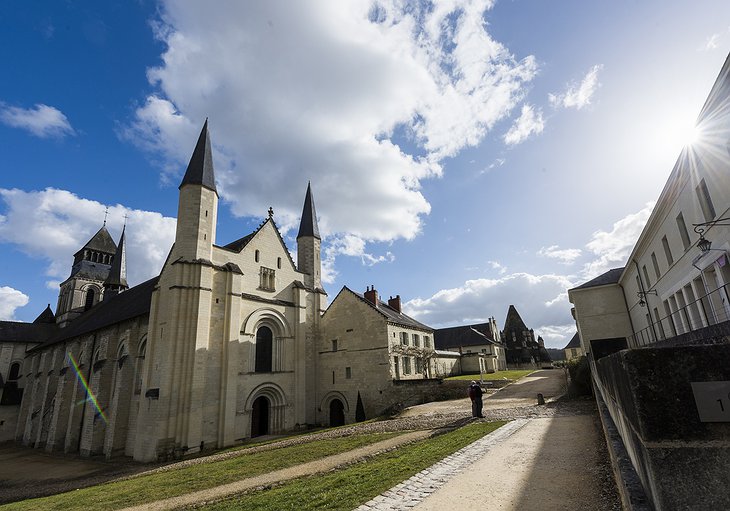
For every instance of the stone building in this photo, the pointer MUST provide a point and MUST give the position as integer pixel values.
(478, 345)
(519, 342)
(228, 342)
(370, 353)
(657, 330)
(573, 349)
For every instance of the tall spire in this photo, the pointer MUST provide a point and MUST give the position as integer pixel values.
(117, 279)
(200, 169)
(308, 225)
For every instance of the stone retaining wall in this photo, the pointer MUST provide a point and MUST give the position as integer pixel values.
(683, 463)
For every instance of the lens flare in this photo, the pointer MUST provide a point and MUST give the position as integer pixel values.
(89, 393)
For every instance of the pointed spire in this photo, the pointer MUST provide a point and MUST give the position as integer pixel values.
(46, 316)
(308, 225)
(117, 278)
(200, 169)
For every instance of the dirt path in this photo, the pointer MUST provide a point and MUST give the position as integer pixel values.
(305, 469)
(550, 464)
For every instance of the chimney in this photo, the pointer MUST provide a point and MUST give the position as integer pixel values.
(371, 295)
(394, 303)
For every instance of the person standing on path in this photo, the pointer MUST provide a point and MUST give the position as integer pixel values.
(475, 394)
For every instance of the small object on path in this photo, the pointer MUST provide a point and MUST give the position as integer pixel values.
(540, 399)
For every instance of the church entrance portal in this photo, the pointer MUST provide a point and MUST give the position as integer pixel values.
(260, 417)
(337, 413)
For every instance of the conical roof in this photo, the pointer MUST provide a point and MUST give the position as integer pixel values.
(118, 272)
(200, 169)
(46, 316)
(101, 242)
(308, 225)
(514, 321)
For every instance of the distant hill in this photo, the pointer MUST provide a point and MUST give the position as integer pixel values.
(556, 354)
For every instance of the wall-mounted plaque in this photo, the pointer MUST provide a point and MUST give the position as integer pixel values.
(713, 400)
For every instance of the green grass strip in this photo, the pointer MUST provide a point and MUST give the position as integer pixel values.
(348, 488)
(499, 375)
(198, 477)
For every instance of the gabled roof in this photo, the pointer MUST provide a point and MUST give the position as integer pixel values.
(574, 342)
(308, 225)
(46, 316)
(391, 315)
(200, 169)
(127, 305)
(466, 335)
(101, 242)
(118, 272)
(610, 277)
(240, 244)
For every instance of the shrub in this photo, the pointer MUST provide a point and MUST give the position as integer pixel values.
(580, 377)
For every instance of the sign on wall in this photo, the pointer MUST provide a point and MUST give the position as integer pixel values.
(713, 400)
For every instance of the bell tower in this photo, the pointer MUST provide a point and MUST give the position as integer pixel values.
(309, 257)
(198, 205)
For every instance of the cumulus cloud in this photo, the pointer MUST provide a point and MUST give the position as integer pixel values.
(530, 122)
(53, 224)
(41, 120)
(541, 300)
(578, 95)
(365, 99)
(564, 255)
(352, 246)
(11, 299)
(613, 247)
(496, 265)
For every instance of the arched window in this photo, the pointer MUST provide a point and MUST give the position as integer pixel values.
(138, 368)
(278, 262)
(264, 339)
(256, 256)
(14, 371)
(90, 295)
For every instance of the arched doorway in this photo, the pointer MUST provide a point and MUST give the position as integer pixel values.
(260, 417)
(337, 413)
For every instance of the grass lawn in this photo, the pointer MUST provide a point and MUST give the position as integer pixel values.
(185, 480)
(348, 488)
(499, 375)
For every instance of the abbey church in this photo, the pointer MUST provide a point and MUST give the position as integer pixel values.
(227, 343)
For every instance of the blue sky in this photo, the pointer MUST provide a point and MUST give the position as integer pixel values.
(465, 155)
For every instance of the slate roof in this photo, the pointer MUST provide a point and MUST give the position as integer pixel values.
(118, 271)
(574, 342)
(46, 316)
(90, 270)
(308, 225)
(514, 321)
(101, 242)
(610, 277)
(239, 244)
(127, 305)
(466, 335)
(200, 169)
(390, 314)
(17, 331)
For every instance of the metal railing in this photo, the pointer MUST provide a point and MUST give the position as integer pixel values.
(710, 309)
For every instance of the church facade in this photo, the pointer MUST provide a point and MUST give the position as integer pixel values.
(224, 345)
(219, 347)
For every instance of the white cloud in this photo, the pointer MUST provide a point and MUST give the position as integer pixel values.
(496, 265)
(10, 299)
(348, 245)
(53, 224)
(327, 91)
(530, 122)
(42, 120)
(578, 95)
(541, 300)
(712, 42)
(564, 255)
(614, 247)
